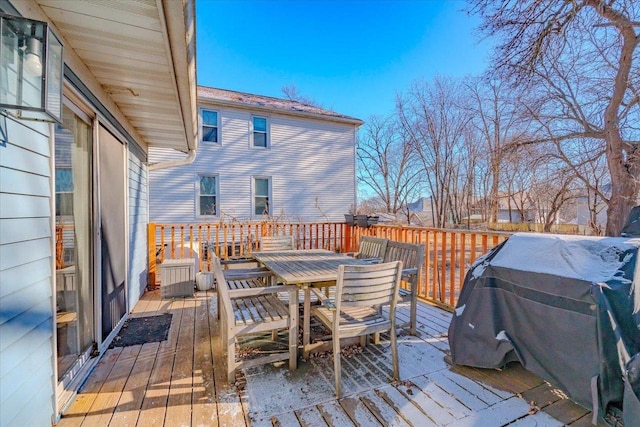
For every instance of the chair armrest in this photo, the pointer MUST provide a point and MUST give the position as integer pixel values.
(407, 272)
(351, 254)
(377, 260)
(323, 298)
(253, 292)
(237, 260)
(239, 274)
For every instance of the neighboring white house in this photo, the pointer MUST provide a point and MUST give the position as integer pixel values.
(584, 216)
(73, 196)
(259, 158)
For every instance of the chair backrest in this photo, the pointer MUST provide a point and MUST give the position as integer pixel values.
(372, 247)
(276, 243)
(411, 255)
(368, 285)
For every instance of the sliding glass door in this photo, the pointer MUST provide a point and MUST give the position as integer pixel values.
(75, 315)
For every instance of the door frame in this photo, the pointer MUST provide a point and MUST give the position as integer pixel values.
(67, 387)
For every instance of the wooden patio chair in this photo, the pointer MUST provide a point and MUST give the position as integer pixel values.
(371, 249)
(412, 257)
(245, 275)
(361, 290)
(249, 308)
(276, 243)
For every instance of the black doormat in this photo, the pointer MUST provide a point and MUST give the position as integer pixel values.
(141, 330)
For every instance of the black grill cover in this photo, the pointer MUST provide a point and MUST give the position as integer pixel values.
(632, 226)
(566, 307)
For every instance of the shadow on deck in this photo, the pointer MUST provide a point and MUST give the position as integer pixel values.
(181, 381)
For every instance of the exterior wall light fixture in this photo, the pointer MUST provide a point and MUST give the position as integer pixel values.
(31, 69)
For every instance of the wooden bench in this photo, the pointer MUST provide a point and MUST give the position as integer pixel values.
(249, 307)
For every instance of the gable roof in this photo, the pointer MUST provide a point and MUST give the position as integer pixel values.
(266, 103)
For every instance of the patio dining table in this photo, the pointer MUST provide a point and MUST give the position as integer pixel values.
(306, 268)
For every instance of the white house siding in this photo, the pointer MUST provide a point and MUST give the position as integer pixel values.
(311, 164)
(26, 306)
(138, 219)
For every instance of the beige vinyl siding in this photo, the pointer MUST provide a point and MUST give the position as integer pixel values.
(26, 318)
(310, 162)
(138, 219)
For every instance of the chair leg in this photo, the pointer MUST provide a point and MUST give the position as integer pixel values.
(293, 330)
(223, 330)
(376, 335)
(218, 305)
(337, 369)
(394, 353)
(231, 357)
(413, 308)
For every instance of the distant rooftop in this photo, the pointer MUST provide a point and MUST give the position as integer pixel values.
(266, 102)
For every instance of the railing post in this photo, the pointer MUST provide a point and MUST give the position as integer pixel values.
(151, 238)
(347, 238)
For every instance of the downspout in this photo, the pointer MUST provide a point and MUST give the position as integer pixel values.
(178, 20)
(191, 156)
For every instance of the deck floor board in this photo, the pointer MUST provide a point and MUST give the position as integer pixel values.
(182, 381)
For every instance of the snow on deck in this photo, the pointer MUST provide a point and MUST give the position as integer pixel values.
(181, 381)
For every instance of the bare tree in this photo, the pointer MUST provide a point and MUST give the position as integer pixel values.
(552, 188)
(474, 184)
(387, 163)
(292, 93)
(436, 126)
(517, 176)
(590, 168)
(587, 49)
(496, 112)
(370, 205)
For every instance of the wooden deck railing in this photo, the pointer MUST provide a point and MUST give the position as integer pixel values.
(448, 256)
(449, 253)
(64, 239)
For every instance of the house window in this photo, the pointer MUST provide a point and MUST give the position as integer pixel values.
(209, 126)
(260, 138)
(207, 196)
(64, 192)
(261, 197)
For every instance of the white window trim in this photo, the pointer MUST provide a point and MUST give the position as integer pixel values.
(217, 195)
(268, 119)
(218, 125)
(64, 217)
(253, 196)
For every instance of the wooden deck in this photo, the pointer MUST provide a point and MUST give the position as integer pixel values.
(180, 382)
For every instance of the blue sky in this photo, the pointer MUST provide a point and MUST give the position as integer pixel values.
(352, 56)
